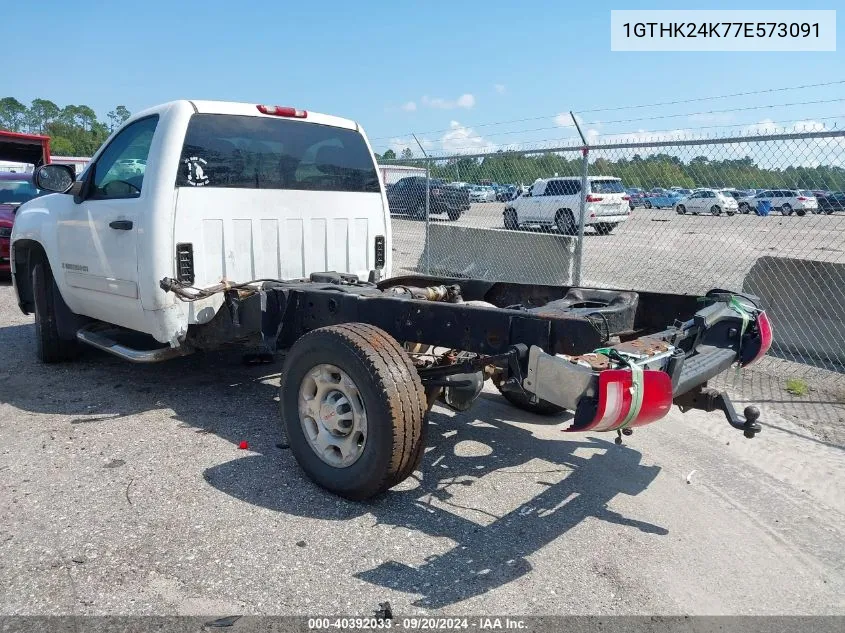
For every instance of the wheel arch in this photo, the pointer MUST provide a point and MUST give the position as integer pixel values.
(25, 254)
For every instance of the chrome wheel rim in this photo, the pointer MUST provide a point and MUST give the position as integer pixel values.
(332, 415)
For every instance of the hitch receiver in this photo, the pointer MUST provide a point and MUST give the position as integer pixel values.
(709, 399)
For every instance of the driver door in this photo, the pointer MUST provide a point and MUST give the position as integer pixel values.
(97, 237)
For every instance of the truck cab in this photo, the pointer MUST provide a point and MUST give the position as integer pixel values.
(204, 192)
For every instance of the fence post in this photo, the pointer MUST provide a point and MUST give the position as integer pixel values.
(427, 214)
(582, 207)
(427, 205)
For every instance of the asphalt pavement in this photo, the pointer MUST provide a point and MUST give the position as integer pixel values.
(123, 491)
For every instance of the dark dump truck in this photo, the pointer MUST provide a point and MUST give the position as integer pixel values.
(408, 196)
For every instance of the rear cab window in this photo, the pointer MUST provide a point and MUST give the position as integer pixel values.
(250, 152)
(607, 186)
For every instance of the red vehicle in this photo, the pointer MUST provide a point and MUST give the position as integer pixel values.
(16, 188)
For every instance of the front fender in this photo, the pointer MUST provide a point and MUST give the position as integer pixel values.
(35, 228)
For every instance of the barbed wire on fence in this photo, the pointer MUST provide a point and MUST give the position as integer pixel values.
(774, 225)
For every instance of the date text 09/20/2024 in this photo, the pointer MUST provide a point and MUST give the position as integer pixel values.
(416, 623)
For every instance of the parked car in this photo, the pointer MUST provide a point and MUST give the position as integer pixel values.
(482, 193)
(664, 199)
(834, 201)
(707, 201)
(407, 195)
(637, 196)
(555, 202)
(15, 189)
(787, 201)
(505, 193)
(736, 194)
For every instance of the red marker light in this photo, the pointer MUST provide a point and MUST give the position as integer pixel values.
(282, 111)
(243, 445)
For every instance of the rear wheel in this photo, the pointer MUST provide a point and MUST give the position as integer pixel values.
(647, 204)
(354, 408)
(786, 209)
(744, 208)
(419, 211)
(605, 228)
(565, 222)
(800, 212)
(681, 209)
(49, 346)
(454, 214)
(511, 220)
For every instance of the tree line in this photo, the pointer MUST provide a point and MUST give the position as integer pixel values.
(74, 130)
(645, 172)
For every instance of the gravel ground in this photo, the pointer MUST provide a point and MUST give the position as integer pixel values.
(123, 491)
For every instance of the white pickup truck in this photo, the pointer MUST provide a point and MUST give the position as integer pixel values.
(201, 224)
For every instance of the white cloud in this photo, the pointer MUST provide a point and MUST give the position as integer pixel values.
(463, 140)
(563, 119)
(397, 144)
(410, 106)
(499, 88)
(466, 101)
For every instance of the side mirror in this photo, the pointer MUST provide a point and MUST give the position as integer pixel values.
(57, 178)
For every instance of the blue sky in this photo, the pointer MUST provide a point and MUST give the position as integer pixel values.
(462, 64)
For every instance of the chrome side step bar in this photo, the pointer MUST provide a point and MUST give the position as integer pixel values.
(96, 336)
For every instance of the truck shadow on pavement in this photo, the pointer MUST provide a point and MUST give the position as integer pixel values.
(492, 542)
(494, 487)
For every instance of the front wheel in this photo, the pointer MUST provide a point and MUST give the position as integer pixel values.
(511, 220)
(49, 346)
(681, 209)
(454, 214)
(716, 210)
(353, 408)
(744, 208)
(800, 212)
(605, 228)
(647, 204)
(786, 210)
(565, 223)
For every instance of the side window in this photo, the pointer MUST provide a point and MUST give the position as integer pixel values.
(552, 188)
(119, 171)
(571, 187)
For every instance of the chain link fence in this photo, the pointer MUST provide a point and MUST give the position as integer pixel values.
(762, 214)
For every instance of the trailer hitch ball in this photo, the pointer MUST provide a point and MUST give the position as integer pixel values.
(751, 427)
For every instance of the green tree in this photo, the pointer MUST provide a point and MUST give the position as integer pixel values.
(40, 113)
(389, 155)
(407, 154)
(12, 114)
(117, 117)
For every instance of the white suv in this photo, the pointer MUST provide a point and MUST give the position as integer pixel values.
(556, 202)
(787, 201)
(707, 201)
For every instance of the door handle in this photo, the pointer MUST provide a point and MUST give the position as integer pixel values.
(121, 225)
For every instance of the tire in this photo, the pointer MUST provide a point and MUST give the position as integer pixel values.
(454, 214)
(647, 204)
(745, 208)
(605, 228)
(419, 211)
(511, 220)
(801, 212)
(565, 223)
(49, 346)
(681, 209)
(716, 210)
(786, 210)
(520, 401)
(384, 385)
(730, 214)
